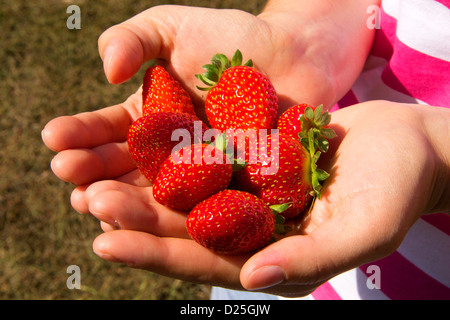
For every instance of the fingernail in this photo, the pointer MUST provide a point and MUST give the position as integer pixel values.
(265, 277)
(105, 218)
(107, 58)
(103, 250)
(105, 255)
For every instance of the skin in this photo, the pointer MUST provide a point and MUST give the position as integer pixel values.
(389, 164)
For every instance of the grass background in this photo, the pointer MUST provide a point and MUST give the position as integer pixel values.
(47, 71)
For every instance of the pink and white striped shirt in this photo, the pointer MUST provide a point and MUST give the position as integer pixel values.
(410, 63)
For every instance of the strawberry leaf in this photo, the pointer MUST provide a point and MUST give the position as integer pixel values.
(309, 113)
(237, 58)
(322, 175)
(214, 70)
(328, 133)
(211, 68)
(221, 61)
(277, 209)
(314, 137)
(318, 113)
(207, 77)
(322, 144)
(220, 142)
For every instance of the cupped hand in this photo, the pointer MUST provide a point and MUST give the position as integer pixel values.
(383, 169)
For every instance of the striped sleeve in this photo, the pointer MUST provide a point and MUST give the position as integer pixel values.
(410, 59)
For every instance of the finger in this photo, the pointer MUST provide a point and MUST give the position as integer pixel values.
(350, 237)
(137, 192)
(126, 46)
(82, 166)
(130, 212)
(135, 178)
(179, 258)
(91, 129)
(82, 195)
(273, 268)
(79, 200)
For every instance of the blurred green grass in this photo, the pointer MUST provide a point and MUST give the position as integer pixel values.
(47, 71)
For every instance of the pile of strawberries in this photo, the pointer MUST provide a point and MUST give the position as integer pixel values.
(237, 178)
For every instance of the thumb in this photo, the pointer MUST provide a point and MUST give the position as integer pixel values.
(126, 46)
(303, 262)
(300, 261)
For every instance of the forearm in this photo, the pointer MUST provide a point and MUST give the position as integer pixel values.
(333, 33)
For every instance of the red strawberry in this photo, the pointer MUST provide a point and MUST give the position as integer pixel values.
(161, 93)
(239, 96)
(286, 169)
(150, 140)
(231, 222)
(191, 175)
(289, 122)
(280, 175)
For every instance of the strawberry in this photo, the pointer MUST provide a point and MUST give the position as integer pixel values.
(280, 175)
(162, 93)
(150, 139)
(239, 95)
(232, 222)
(289, 121)
(286, 167)
(191, 175)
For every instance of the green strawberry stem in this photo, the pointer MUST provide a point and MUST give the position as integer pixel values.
(219, 63)
(277, 209)
(314, 137)
(221, 143)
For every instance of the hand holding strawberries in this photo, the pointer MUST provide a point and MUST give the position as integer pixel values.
(368, 204)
